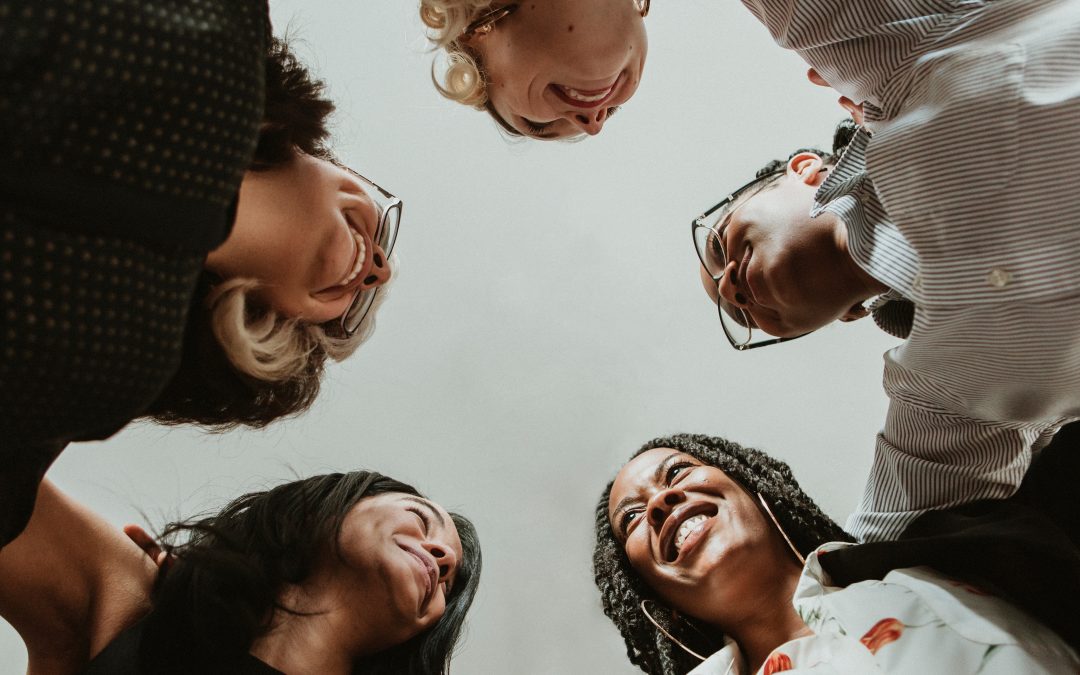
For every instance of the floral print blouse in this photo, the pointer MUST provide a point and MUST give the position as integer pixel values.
(913, 622)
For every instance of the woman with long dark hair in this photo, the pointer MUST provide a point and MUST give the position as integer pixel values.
(339, 573)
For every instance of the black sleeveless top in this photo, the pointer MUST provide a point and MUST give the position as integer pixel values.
(121, 657)
(127, 126)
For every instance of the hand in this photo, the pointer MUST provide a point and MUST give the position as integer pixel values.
(141, 538)
(846, 103)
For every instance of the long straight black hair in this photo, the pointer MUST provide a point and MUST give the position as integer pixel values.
(221, 593)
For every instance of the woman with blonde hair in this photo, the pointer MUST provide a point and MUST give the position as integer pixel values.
(176, 240)
(549, 69)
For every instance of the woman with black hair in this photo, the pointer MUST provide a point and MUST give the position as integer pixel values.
(710, 558)
(339, 573)
(176, 240)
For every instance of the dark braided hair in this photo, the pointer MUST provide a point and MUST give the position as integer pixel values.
(622, 591)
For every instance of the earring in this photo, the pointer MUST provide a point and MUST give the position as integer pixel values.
(668, 635)
(780, 529)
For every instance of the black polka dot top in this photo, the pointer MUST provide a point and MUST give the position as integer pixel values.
(131, 117)
(126, 127)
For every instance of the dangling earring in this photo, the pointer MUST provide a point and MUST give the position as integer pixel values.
(780, 529)
(668, 635)
(643, 7)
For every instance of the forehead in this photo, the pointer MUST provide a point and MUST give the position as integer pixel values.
(640, 473)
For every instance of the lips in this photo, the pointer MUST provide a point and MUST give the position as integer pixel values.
(362, 258)
(429, 573)
(671, 545)
(744, 272)
(586, 99)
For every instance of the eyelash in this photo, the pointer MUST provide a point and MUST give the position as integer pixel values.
(534, 127)
(423, 518)
(669, 478)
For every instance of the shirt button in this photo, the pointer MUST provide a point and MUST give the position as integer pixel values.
(916, 283)
(999, 278)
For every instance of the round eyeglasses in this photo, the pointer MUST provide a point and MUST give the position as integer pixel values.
(708, 234)
(389, 208)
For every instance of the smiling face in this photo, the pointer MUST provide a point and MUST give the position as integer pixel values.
(695, 536)
(557, 68)
(304, 230)
(398, 558)
(791, 273)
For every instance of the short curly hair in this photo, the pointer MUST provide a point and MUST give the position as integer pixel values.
(243, 363)
(622, 590)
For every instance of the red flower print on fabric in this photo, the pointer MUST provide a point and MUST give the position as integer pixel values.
(882, 633)
(777, 662)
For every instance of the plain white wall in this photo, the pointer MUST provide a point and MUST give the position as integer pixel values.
(547, 320)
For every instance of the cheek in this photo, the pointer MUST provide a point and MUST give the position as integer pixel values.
(708, 284)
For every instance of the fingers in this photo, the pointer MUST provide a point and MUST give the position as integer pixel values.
(817, 79)
(854, 110)
(148, 544)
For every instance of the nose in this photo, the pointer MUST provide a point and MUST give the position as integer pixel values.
(379, 273)
(728, 286)
(589, 121)
(661, 504)
(445, 558)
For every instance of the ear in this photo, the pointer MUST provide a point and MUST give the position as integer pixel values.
(855, 312)
(808, 167)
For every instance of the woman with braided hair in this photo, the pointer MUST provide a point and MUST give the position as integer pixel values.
(711, 559)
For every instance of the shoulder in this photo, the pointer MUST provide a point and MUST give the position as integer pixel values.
(71, 583)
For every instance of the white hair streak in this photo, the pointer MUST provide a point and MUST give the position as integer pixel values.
(268, 346)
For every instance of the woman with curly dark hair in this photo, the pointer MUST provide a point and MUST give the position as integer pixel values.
(710, 558)
(176, 240)
(339, 573)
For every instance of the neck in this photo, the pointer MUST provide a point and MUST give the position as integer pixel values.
(321, 639)
(300, 645)
(770, 622)
(863, 284)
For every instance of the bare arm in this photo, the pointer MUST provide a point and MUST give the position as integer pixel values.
(70, 583)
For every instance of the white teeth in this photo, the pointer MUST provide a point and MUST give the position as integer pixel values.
(578, 96)
(361, 251)
(689, 526)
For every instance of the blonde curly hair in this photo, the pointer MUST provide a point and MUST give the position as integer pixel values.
(463, 79)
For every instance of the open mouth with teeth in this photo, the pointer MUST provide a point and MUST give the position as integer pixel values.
(363, 257)
(683, 528)
(581, 98)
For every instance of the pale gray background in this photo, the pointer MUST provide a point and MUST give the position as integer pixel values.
(547, 320)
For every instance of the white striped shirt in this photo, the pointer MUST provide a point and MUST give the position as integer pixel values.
(961, 194)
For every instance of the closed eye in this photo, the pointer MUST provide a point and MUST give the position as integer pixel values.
(425, 522)
(536, 128)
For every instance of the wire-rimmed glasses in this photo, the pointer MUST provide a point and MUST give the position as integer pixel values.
(389, 208)
(707, 231)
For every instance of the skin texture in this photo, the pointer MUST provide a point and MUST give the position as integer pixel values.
(792, 273)
(547, 44)
(380, 566)
(735, 573)
(293, 234)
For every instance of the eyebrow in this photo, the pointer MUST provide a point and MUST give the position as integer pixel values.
(657, 479)
(429, 506)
